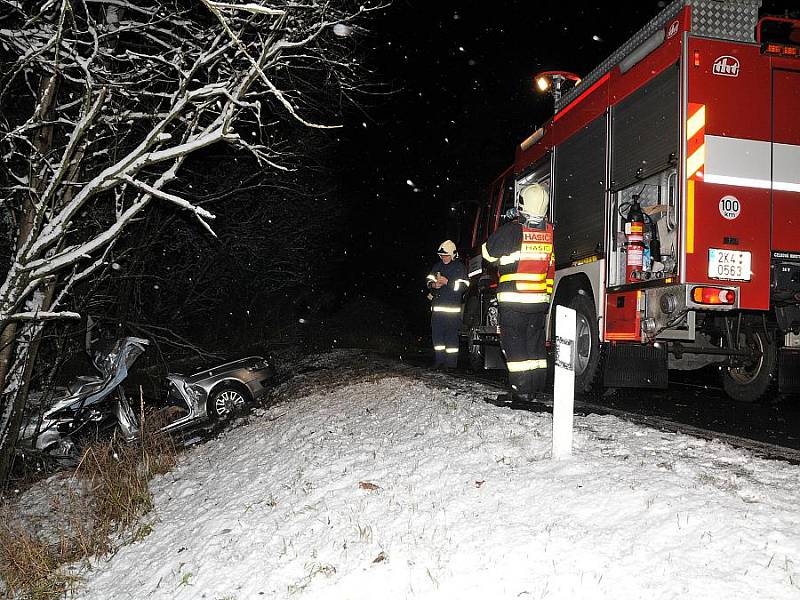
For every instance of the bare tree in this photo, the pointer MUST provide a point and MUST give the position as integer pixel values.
(103, 100)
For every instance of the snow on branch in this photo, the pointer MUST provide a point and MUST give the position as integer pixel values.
(103, 100)
(199, 212)
(250, 7)
(43, 316)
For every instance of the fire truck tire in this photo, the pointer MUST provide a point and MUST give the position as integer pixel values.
(475, 357)
(750, 383)
(587, 341)
(471, 320)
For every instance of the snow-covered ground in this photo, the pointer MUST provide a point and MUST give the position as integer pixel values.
(394, 484)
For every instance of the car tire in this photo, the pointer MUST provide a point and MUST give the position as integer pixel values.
(587, 345)
(751, 383)
(225, 401)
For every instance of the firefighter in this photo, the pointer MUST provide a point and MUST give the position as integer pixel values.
(523, 252)
(447, 282)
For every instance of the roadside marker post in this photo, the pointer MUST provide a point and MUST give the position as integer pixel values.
(564, 382)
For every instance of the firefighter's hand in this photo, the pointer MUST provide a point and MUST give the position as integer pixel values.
(442, 280)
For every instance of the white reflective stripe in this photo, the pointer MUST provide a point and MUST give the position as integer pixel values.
(786, 167)
(459, 283)
(752, 163)
(786, 187)
(440, 348)
(447, 309)
(753, 183)
(738, 157)
(486, 255)
(452, 350)
(473, 273)
(763, 184)
(522, 297)
(510, 258)
(526, 365)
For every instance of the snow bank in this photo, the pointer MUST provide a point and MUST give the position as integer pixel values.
(401, 487)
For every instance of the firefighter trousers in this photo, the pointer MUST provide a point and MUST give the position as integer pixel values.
(444, 331)
(522, 336)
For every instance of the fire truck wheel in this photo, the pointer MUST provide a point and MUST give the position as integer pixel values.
(749, 383)
(472, 320)
(587, 341)
(474, 356)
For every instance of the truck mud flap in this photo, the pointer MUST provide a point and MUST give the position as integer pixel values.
(788, 371)
(493, 357)
(636, 366)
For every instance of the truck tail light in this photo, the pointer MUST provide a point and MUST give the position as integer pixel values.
(713, 296)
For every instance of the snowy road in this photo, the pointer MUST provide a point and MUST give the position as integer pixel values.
(697, 400)
(372, 483)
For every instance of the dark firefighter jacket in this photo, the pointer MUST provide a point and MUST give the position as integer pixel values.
(448, 297)
(525, 263)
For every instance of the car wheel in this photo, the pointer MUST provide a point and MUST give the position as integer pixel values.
(224, 402)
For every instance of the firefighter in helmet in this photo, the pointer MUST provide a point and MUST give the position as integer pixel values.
(523, 252)
(447, 282)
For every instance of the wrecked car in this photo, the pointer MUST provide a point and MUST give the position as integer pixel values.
(93, 405)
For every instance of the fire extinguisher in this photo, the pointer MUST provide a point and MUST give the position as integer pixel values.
(634, 241)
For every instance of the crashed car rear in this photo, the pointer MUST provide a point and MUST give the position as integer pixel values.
(218, 392)
(93, 405)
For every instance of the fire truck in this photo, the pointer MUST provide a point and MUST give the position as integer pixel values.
(674, 176)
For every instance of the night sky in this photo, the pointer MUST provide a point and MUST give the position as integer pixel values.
(459, 98)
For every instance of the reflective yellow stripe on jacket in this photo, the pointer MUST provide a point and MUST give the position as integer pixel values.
(526, 365)
(447, 309)
(486, 255)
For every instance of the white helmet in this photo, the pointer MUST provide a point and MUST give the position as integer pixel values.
(535, 200)
(449, 248)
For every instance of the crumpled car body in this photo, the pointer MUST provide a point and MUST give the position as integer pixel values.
(96, 402)
(218, 392)
(89, 402)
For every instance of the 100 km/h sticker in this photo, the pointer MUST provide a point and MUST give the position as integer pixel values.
(730, 207)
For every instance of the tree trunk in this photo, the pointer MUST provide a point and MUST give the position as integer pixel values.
(12, 404)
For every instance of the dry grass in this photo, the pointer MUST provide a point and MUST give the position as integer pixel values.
(118, 474)
(31, 567)
(115, 475)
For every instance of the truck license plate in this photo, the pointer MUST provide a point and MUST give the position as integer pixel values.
(728, 264)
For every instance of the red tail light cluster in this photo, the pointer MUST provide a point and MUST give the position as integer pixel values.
(713, 296)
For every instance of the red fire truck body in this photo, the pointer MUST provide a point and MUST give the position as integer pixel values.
(694, 124)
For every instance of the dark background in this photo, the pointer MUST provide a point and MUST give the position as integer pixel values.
(459, 98)
(334, 251)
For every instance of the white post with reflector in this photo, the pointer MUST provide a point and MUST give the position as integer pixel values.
(564, 382)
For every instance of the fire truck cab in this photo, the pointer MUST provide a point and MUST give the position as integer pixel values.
(674, 176)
